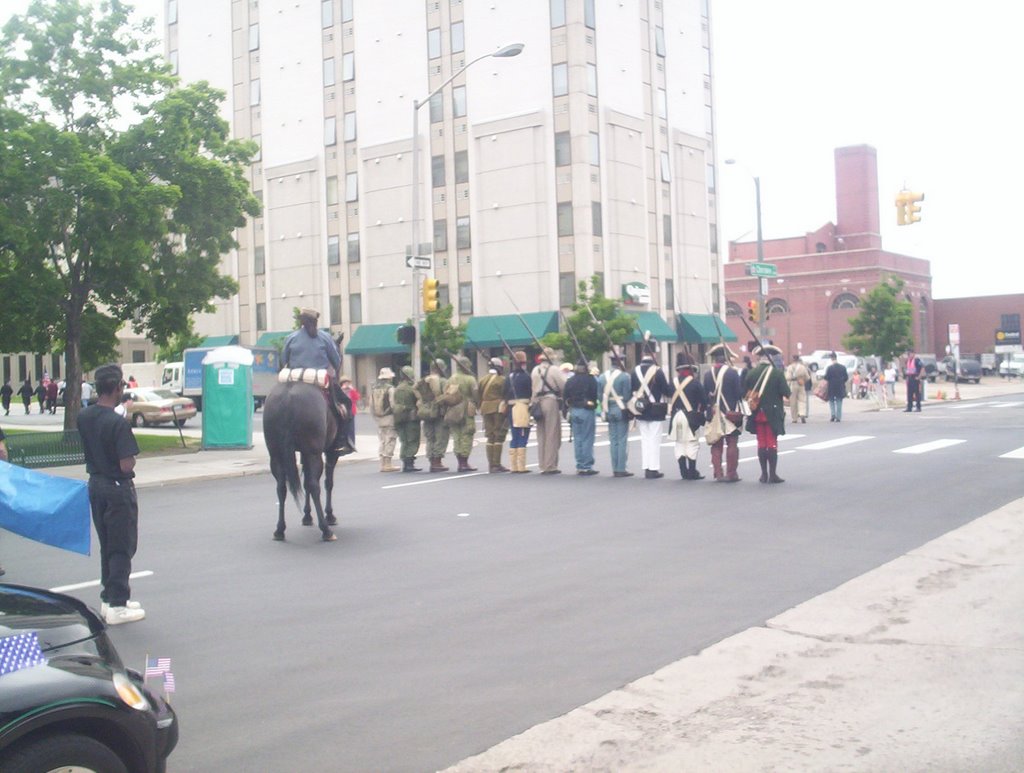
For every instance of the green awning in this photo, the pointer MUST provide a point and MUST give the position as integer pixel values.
(220, 341)
(483, 332)
(376, 339)
(271, 339)
(701, 329)
(649, 320)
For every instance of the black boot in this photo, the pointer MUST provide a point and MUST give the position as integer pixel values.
(683, 471)
(407, 465)
(773, 461)
(694, 474)
(762, 457)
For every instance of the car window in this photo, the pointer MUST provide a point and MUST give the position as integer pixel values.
(164, 394)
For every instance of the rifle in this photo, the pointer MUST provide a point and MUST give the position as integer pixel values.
(575, 340)
(520, 316)
(600, 324)
(511, 354)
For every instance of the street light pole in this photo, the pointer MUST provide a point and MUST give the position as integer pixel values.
(513, 49)
(762, 314)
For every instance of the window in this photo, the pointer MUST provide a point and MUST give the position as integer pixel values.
(592, 79)
(350, 127)
(595, 218)
(563, 149)
(332, 191)
(346, 10)
(846, 301)
(713, 238)
(465, 298)
(434, 43)
(355, 308)
(437, 171)
(352, 187)
(565, 218)
(437, 108)
(776, 306)
(440, 235)
(254, 92)
(458, 37)
(459, 102)
(566, 288)
(666, 223)
(254, 37)
(670, 294)
(327, 13)
(258, 155)
(330, 131)
(557, 13)
(348, 66)
(353, 248)
(261, 316)
(711, 178)
(659, 41)
(333, 250)
(595, 148)
(443, 296)
(588, 14)
(666, 170)
(732, 309)
(172, 11)
(335, 309)
(662, 104)
(172, 58)
(1009, 322)
(560, 79)
(709, 122)
(462, 233)
(461, 166)
(329, 72)
(259, 261)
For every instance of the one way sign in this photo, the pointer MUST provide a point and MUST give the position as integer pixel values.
(418, 261)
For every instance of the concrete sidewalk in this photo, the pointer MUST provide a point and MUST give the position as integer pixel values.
(915, 666)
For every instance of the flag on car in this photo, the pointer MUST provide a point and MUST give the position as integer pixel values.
(168, 682)
(157, 666)
(45, 508)
(20, 651)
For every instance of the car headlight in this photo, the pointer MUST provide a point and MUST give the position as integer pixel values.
(129, 693)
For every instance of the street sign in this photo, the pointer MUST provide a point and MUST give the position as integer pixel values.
(1007, 337)
(762, 269)
(764, 285)
(418, 261)
(954, 334)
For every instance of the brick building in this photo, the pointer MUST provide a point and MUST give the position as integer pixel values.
(823, 274)
(979, 318)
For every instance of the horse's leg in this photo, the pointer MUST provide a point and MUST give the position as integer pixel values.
(332, 460)
(314, 469)
(307, 517)
(282, 494)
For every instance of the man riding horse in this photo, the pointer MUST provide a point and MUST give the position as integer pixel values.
(309, 347)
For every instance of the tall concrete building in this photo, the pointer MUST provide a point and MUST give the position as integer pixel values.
(591, 152)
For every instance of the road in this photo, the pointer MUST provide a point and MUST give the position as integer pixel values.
(454, 612)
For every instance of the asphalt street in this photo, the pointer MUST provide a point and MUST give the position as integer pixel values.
(457, 611)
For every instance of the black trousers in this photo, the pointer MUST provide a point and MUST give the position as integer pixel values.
(115, 514)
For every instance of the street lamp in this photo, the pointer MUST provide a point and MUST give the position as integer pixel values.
(762, 328)
(512, 49)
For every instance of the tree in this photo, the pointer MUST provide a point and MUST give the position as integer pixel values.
(439, 338)
(593, 336)
(884, 325)
(102, 225)
(174, 349)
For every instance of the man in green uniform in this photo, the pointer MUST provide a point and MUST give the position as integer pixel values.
(769, 420)
(495, 413)
(407, 420)
(462, 398)
(435, 431)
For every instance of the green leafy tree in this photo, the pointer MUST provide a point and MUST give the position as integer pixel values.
(592, 335)
(439, 337)
(884, 324)
(102, 225)
(174, 349)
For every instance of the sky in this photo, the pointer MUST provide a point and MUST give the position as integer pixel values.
(932, 85)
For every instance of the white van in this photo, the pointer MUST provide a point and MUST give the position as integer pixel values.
(1012, 365)
(171, 378)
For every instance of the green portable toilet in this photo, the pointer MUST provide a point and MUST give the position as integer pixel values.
(227, 398)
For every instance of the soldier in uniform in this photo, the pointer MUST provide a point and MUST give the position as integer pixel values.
(493, 409)
(382, 401)
(581, 398)
(435, 431)
(653, 386)
(687, 405)
(407, 420)
(724, 389)
(547, 384)
(462, 398)
(613, 390)
(517, 396)
(797, 377)
(769, 420)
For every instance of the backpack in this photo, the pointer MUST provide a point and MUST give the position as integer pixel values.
(380, 401)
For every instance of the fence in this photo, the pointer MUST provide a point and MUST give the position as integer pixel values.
(45, 449)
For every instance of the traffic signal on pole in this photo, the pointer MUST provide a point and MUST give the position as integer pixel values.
(752, 311)
(430, 294)
(406, 335)
(907, 207)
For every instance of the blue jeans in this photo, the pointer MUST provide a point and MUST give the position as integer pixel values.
(583, 422)
(835, 405)
(618, 436)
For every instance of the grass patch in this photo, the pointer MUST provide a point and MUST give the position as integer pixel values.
(149, 445)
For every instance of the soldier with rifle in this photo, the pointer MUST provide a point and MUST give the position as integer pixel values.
(581, 399)
(494, 410)
(518, 391)
(435, 431)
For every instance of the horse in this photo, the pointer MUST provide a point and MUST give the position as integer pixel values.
(296, 418)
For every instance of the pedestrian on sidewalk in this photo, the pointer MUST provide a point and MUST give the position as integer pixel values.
(494, 410)
(407, 420)
(26, 393)
(110, 451)
(40, 394)
(836, 376)
(768, 422)
(797, 377)
(517, 395)
(724, 390)
(435, 431)
(581, 398)
(382, 401)
(915, 379)
(6, 393)
(51, 396)
(87, 393)
(614, 387)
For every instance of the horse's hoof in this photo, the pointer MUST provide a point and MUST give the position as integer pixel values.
(330, 537)
(278, 536)
(307, 521)
(332, 521)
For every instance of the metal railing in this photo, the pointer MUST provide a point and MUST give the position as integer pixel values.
(45, 449)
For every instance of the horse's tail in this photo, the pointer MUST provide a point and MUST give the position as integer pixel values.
(285, 452)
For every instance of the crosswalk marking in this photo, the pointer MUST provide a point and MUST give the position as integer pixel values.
(923, 448)
(842, 441)
(1016, 454)
(1007, 405)
(752, 443)
(965, 406)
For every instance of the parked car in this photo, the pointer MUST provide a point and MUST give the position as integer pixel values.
(159, 406)
(813, 359)
(851, 361)
(969, 370)
(78, 707)
(930, 366)
(1012, 365)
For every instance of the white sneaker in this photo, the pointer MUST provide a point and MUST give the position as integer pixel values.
(118, 615)
(104, 606)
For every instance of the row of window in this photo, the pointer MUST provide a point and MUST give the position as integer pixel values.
(54, 371)
(437, 166)
(558, 13)
(327, 12)
(331, 129)
(781, 306)
(458, 40)
(563, 149)
(560, 79)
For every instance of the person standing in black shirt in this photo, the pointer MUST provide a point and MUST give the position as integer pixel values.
(110, 451)
(581, 397)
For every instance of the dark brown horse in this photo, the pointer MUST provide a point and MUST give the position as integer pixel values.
(296, 419)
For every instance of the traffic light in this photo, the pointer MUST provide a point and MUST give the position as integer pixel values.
(906, 207)
(430, 294)
(752, 311)
(406, 335)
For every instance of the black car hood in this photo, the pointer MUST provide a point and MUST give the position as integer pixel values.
(60, 621)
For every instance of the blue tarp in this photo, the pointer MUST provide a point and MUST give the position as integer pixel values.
(45, 508)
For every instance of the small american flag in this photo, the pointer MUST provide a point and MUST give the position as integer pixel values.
(168, 682)
(157, 666)
(20, 651)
